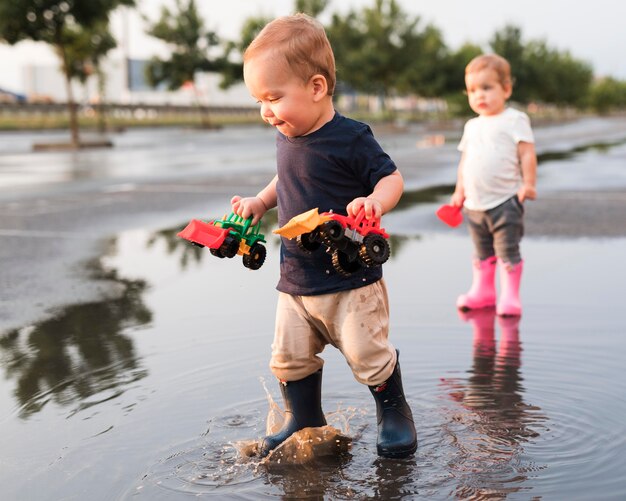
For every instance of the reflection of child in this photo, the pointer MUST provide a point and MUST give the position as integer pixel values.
(334, 163)
(496, 174)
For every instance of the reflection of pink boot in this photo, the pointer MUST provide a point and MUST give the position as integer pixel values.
(482, 321)
(482, 293)
(509, 303)
(510, 345)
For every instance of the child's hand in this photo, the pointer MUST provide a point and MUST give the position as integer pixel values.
(527, 191)
(373, 208)
(457, 199)
(248, 207)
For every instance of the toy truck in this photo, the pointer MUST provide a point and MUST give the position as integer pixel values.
(353, 242)
(228, 237)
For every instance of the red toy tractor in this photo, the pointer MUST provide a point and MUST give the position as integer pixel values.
(353, 242)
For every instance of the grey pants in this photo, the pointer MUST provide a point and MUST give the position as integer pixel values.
(498, 231)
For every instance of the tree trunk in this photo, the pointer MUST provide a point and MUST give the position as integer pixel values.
(70, 101)
(205, 119)
(102, 124)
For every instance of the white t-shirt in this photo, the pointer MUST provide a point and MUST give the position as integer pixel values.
(491, 168)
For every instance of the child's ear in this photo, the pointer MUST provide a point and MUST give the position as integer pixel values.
(319, 86)
(508, 90)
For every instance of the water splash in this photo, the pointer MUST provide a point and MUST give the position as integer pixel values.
(305, 445)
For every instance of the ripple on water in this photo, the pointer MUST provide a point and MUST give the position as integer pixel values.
(500, 425)
(221, 463)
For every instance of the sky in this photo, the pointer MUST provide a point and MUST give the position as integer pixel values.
(592, 31)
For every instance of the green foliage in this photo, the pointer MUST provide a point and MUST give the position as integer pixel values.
(85, 47)
(381, 50)
(454, 67)
(232, 71)
(45, 20)
(541, 73)
(189, 41)
(608, 94)
(77, 30)
(311, 7)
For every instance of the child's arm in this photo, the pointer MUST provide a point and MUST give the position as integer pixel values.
(528, 161)
(458, 197)
(385, 196)
(256, 207)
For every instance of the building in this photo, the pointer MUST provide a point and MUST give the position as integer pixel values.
(125, 84)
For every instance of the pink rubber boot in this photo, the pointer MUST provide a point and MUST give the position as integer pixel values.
(482, 293)
(509, 303)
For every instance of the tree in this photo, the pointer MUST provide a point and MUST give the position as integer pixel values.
(541, 73)
(58, 23)
(85, 50)
(232, 71)
(608, 94)
(381, 50)
(189, 40)
(556, 77)
(311, 7)
(453, 70)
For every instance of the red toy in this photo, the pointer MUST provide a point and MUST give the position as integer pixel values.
(353, 242)
(228, 237)
(450, 214)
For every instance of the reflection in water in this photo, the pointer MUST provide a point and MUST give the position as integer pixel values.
(190, 253)
(321, 479)
(173, 244)
(602, 147)
(495, 422)
(395, 479)
(423, 196)
(77, 354)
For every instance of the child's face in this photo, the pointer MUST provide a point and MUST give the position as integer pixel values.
(486, 94)
(286, 101)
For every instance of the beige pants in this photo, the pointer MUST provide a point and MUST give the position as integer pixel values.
(355, 321)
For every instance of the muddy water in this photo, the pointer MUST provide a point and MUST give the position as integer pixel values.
(157, 392)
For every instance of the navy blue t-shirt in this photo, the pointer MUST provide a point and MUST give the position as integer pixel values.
(326, 169)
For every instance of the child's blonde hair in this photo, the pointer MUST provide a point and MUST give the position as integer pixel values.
(302, 42)
(494, 62)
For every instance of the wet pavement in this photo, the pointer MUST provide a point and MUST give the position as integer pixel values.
(132, 360)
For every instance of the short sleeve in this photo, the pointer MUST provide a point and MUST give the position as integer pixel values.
(522, 131)
(463, 143)
(370, 162)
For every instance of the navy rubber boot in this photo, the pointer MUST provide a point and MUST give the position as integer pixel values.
(303, 409)
(396, 430)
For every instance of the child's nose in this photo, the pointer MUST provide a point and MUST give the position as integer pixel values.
(266, 111)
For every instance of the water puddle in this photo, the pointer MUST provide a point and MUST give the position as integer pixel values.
(158, 389)
(154, 391)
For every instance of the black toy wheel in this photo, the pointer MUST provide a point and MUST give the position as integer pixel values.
(308, 242)
(216, 253)
(255, 259)
(343, 265)
(375, 250)
(229, 247)
(331, 232)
